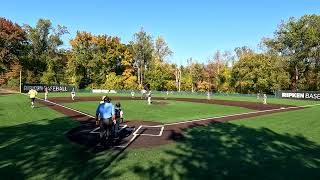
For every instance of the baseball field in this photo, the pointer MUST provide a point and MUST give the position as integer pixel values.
(176, 137)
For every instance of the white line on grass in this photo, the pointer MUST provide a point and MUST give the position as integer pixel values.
(69, 108)
(253, 112)
(64, 107)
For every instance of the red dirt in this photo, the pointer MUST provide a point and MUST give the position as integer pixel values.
(172, 132)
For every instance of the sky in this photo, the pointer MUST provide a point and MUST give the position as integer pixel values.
(191, 28)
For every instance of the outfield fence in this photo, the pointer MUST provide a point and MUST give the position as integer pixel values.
(164, 93)
(287, 94)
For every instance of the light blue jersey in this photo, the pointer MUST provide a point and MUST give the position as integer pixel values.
(105, 110)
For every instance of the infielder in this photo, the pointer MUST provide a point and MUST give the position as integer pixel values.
(143, 93)
(45, 93)
(208, 95)
(73, 94)
(264, 99)
(149, 97)
(32, 94)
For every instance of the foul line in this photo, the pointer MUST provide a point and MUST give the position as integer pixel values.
(239, 114)
(64, 107)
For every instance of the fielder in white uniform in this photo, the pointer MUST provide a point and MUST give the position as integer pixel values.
(149, 97)
(73, 94)
(208, 95)
(45, 93)
(264, 99)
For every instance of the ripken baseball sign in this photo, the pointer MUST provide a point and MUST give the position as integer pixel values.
(51, 88)
(300, 95)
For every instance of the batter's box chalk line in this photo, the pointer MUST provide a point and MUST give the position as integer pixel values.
(160, 127)
(97, 130)
(136, 134)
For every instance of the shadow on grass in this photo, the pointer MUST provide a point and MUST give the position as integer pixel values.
(40, 150)
(228, 151)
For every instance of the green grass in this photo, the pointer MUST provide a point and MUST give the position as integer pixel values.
(275, 146)
(16, 109)
(173, 112)
(231, 97)
(33, 145)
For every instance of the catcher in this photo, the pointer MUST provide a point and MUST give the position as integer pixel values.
(119, 119)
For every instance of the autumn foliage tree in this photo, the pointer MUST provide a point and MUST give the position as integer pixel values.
(12, 50)
(100, 61)
(290, 60)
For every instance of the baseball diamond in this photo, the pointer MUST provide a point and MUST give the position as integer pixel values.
(159, 133)
(160, 90)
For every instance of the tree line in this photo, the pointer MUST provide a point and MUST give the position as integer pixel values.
(288, 60)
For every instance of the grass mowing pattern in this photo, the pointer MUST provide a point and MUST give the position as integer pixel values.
(276, 146)
(175, 111)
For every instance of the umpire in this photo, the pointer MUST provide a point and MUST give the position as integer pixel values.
(107, 119)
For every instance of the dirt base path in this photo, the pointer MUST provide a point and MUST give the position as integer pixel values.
(150, 134)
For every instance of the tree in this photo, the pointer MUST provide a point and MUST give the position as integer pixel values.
(259, 73)
(161, 50)
(298, 41)
(46, 61)
(13, 50)
(142, 50)
(240, 51)
(224, 78)
(94, 59)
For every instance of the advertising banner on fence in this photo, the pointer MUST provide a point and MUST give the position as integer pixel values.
(51, 88)
(311, 95)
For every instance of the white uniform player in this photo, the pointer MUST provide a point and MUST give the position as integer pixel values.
(208, 95)
(45, 93)
(149, 97)
(264, 99)
(73, 94)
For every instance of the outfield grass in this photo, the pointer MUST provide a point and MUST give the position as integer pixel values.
(231, 98)
(276, 146)
(175, 111)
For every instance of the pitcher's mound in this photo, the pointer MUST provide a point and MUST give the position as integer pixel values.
(159, 103)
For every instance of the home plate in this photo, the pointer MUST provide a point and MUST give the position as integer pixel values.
(282, 108)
